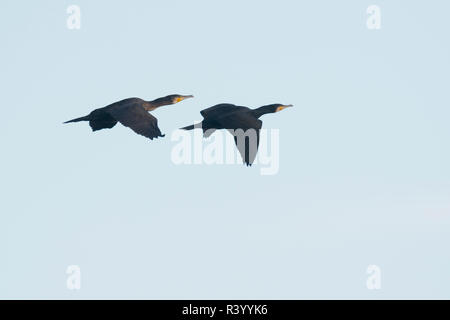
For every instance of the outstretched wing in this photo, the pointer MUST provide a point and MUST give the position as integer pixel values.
(140, 121)
(245, 128)
(102, 120)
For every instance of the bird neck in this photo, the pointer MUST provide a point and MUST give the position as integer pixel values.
(258, 112)
(152, 105)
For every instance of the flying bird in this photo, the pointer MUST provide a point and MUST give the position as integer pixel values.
(232, 117)
(132, 113)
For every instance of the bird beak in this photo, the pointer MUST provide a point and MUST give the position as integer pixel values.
(284, 107)
(181, 98)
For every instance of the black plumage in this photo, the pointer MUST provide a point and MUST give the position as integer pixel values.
(132, 113)
(232, 117)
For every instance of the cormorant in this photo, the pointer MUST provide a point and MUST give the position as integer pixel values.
(132, 113)
(232, 117)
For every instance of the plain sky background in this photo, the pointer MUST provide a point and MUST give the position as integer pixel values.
(364, 157)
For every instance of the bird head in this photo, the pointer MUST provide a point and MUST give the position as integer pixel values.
(278, 107)
(175, 98)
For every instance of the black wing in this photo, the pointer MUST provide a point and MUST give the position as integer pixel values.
(140, 121)
(220, 110)
(101, 120)
(245, 128)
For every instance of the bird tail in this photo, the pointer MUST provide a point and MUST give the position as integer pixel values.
(192, 127)
(85, 118)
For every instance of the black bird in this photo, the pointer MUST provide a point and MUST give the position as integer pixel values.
(232, 117)
(132, 113)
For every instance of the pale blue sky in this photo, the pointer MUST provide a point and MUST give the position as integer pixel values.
(364, 157)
